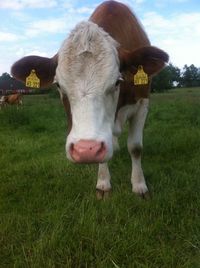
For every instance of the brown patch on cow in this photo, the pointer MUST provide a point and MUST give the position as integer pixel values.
(137, 151)
(118, 20)
(45, 69)
(130, 93)
(152, 59)
(13, 99)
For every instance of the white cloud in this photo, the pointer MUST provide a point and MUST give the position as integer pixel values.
(21, 4)
(68, 4)
(178, 34)
(22, 52)
(8, 37)
(15, 52)
(4, 66)
(20, 16)
(132, 2)
(81, 10)
(138, 2)
(46, 26)
(168, 3)
(38, 53)
(59, 25)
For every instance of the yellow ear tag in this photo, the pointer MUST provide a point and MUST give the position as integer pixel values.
(32, 80)
(140, 78)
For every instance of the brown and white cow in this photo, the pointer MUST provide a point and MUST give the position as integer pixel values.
(2, 102)
(13, 99)
(89, 69)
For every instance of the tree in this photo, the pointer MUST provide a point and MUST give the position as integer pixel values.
(9, 83)
(168, 78)
(5, 76)
(5, 81)
(190, 76)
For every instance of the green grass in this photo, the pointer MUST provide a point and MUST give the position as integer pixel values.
(49, 216)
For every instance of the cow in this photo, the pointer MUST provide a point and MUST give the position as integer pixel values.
(2, 102)
(94, 70)
(13, 99)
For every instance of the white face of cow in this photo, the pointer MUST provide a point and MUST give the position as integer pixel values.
(87, 72)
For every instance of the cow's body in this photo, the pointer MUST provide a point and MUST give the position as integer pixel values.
(88, 68)
(13, 99)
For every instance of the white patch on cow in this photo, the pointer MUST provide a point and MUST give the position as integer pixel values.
(88, 68)
(103, 182)
(2, 100)
(124, 114)
(135, 138)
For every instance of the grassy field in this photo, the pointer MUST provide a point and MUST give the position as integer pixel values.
(49, 216)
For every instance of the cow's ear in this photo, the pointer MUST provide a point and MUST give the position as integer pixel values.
(151, 58)
(45, 69)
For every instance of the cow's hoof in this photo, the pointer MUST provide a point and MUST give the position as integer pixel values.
(141, 190)
(102, 195)
(145, 196)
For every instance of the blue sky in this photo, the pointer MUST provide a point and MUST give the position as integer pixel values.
(39, 27)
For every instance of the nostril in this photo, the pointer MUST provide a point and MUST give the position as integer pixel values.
(71, 147)
(101, 147)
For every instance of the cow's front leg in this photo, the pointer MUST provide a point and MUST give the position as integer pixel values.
(103, 186)
(135, 145)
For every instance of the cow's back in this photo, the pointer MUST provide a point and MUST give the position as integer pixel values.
(14, 98)
(118, 20)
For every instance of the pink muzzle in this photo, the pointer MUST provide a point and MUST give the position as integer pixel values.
(88, 151)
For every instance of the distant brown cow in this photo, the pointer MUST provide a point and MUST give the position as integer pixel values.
(11, 99)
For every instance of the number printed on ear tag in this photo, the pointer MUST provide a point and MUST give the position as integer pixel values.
(32, 80)
(140, 78)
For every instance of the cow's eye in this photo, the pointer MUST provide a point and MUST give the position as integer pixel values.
(119, 80)
(117, 83)
(57, 84)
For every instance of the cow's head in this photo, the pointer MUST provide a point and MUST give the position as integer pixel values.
(88, 70)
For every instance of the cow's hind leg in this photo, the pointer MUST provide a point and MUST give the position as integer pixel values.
(135, 145)
(103, 186)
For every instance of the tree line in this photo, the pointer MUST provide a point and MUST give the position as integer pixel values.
(170, 77)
